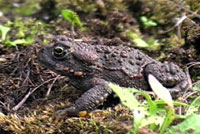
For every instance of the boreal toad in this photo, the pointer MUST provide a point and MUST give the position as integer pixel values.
(91, 67)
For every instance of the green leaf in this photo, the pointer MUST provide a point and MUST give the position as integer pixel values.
(168, 119)
(188, 126)
(139, 42)
(139, 114)
(16, 42)
(194, 107)
(175, 103)
(143, 19)
(4, 30)
(147, 23)
(29, 40)
(152, 104)
(131, 102)
(153, 120)
(125, 96)
(71, 17)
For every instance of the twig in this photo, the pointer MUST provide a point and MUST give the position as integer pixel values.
(27, 77)
(4, 106)
(180, 20)
(50, 87)
(187, 96)
(189, 79)
(193, 64)
(15, 108)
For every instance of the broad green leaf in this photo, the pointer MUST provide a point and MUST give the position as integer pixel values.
(152, 120)
(160, 90)
(4, 30)
(131, 102)
(188, 126)
(125, 96)
(139, 114)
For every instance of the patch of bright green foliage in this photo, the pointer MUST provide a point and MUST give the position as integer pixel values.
(25, 32)
(158, 115)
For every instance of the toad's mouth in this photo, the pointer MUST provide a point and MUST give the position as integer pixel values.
(46, 60)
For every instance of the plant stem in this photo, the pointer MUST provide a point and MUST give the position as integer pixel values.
(73, 32)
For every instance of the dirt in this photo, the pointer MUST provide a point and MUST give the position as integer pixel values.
(20, 72)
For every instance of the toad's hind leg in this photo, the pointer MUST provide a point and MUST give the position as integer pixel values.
(89, 101)
(169, 75)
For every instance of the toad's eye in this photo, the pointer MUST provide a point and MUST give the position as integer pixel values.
(59, 52)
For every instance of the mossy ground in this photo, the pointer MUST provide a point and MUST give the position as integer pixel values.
(106, 21)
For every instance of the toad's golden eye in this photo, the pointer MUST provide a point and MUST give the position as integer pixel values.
(59, 52)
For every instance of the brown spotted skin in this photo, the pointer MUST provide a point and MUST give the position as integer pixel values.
(91, 67)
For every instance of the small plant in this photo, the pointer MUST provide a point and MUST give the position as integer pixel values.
(158, 115)
(72, 18)
(147, 23)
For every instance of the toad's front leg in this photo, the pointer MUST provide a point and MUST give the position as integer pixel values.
(91, 99)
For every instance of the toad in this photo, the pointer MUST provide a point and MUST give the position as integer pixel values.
(92, 67)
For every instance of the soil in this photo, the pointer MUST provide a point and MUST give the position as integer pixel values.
(21, 74)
